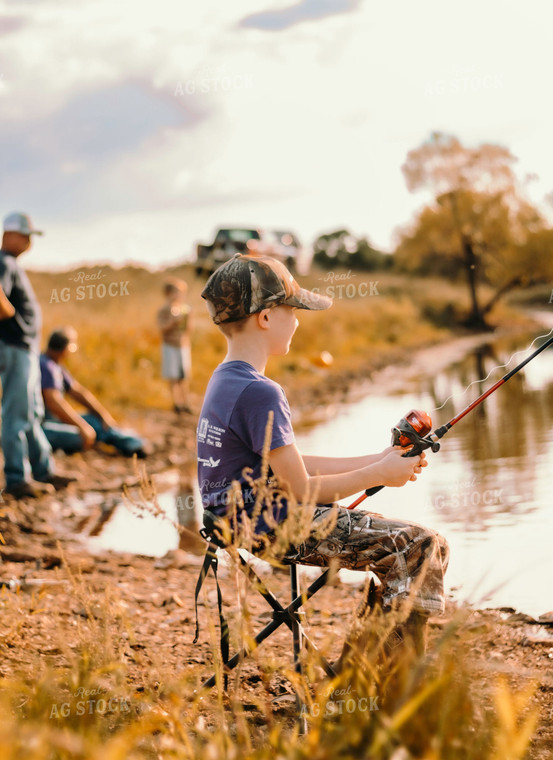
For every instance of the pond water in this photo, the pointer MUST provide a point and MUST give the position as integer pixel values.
(489, 490)
(144, 526)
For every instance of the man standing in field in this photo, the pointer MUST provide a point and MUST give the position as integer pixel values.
(26, 449)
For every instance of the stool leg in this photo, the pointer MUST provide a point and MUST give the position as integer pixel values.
(296, 630)
(297, 639)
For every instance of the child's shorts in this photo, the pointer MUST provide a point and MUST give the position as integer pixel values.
(175, 362)
(407, 558)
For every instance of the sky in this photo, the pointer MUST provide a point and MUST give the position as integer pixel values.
(129, 131)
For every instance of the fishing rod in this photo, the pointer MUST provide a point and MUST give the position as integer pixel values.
(414, 429)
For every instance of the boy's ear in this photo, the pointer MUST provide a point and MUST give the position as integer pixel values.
(263, 318)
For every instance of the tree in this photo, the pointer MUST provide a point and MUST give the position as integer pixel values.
(341, 248)
(479, 224)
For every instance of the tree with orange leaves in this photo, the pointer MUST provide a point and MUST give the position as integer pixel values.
(479, 225)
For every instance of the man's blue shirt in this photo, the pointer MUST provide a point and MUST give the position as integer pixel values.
(23, 329)
(53, 375)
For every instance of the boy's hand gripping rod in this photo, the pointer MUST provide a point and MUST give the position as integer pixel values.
(413, 429)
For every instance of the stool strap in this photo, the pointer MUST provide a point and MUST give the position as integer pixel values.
(210, 561)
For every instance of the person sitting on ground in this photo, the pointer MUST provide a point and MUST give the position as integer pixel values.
(65, 428)
(254, 302)
(175, 323)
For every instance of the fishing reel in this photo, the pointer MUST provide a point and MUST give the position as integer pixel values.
(411, 431)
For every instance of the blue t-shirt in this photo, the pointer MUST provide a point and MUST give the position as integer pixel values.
(53, 375)
(231, 434)
(23, 329)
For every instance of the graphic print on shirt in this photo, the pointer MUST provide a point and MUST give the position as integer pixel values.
(209, 462)
(202, 429)
(210, 434)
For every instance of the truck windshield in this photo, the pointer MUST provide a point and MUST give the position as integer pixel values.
(238, 236)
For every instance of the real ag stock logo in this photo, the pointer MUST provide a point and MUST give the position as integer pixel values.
(342, 285)
(339, 702)
(88, 287)
(90, 701)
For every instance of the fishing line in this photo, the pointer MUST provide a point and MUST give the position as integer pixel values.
(499, 366)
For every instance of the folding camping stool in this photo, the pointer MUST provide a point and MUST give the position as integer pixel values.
(281, 615)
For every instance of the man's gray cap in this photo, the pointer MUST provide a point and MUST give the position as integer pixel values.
(18, 222)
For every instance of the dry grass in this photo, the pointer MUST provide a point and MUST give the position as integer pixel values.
(87, 707)
(85, 704)
(120, 348)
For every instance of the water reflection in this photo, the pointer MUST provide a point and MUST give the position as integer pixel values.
(489, 488)
(152, 523)
(503, 441)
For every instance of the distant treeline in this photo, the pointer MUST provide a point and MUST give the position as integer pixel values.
(342, 249)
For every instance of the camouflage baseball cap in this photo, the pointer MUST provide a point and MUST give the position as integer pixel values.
(246, 284)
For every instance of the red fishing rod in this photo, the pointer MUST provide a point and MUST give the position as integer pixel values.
(414, 429)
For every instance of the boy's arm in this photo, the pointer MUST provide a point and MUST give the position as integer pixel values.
(190, 323)
(168, 324)
(333, 465)
(165, 320)
(393, 469)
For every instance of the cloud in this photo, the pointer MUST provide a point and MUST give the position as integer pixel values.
(306, 10)
(9, 24)
(105, 123)
(71, 156)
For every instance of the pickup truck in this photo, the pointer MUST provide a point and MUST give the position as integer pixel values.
(228, 241)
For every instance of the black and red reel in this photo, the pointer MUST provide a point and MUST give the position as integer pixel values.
(411, 431)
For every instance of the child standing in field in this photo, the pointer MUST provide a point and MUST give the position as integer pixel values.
(174, 322)
(254, 302)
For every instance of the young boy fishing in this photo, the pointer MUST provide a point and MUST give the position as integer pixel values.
(254, 301)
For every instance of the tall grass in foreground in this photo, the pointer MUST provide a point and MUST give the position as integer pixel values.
(88, 708)
(110, 696)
